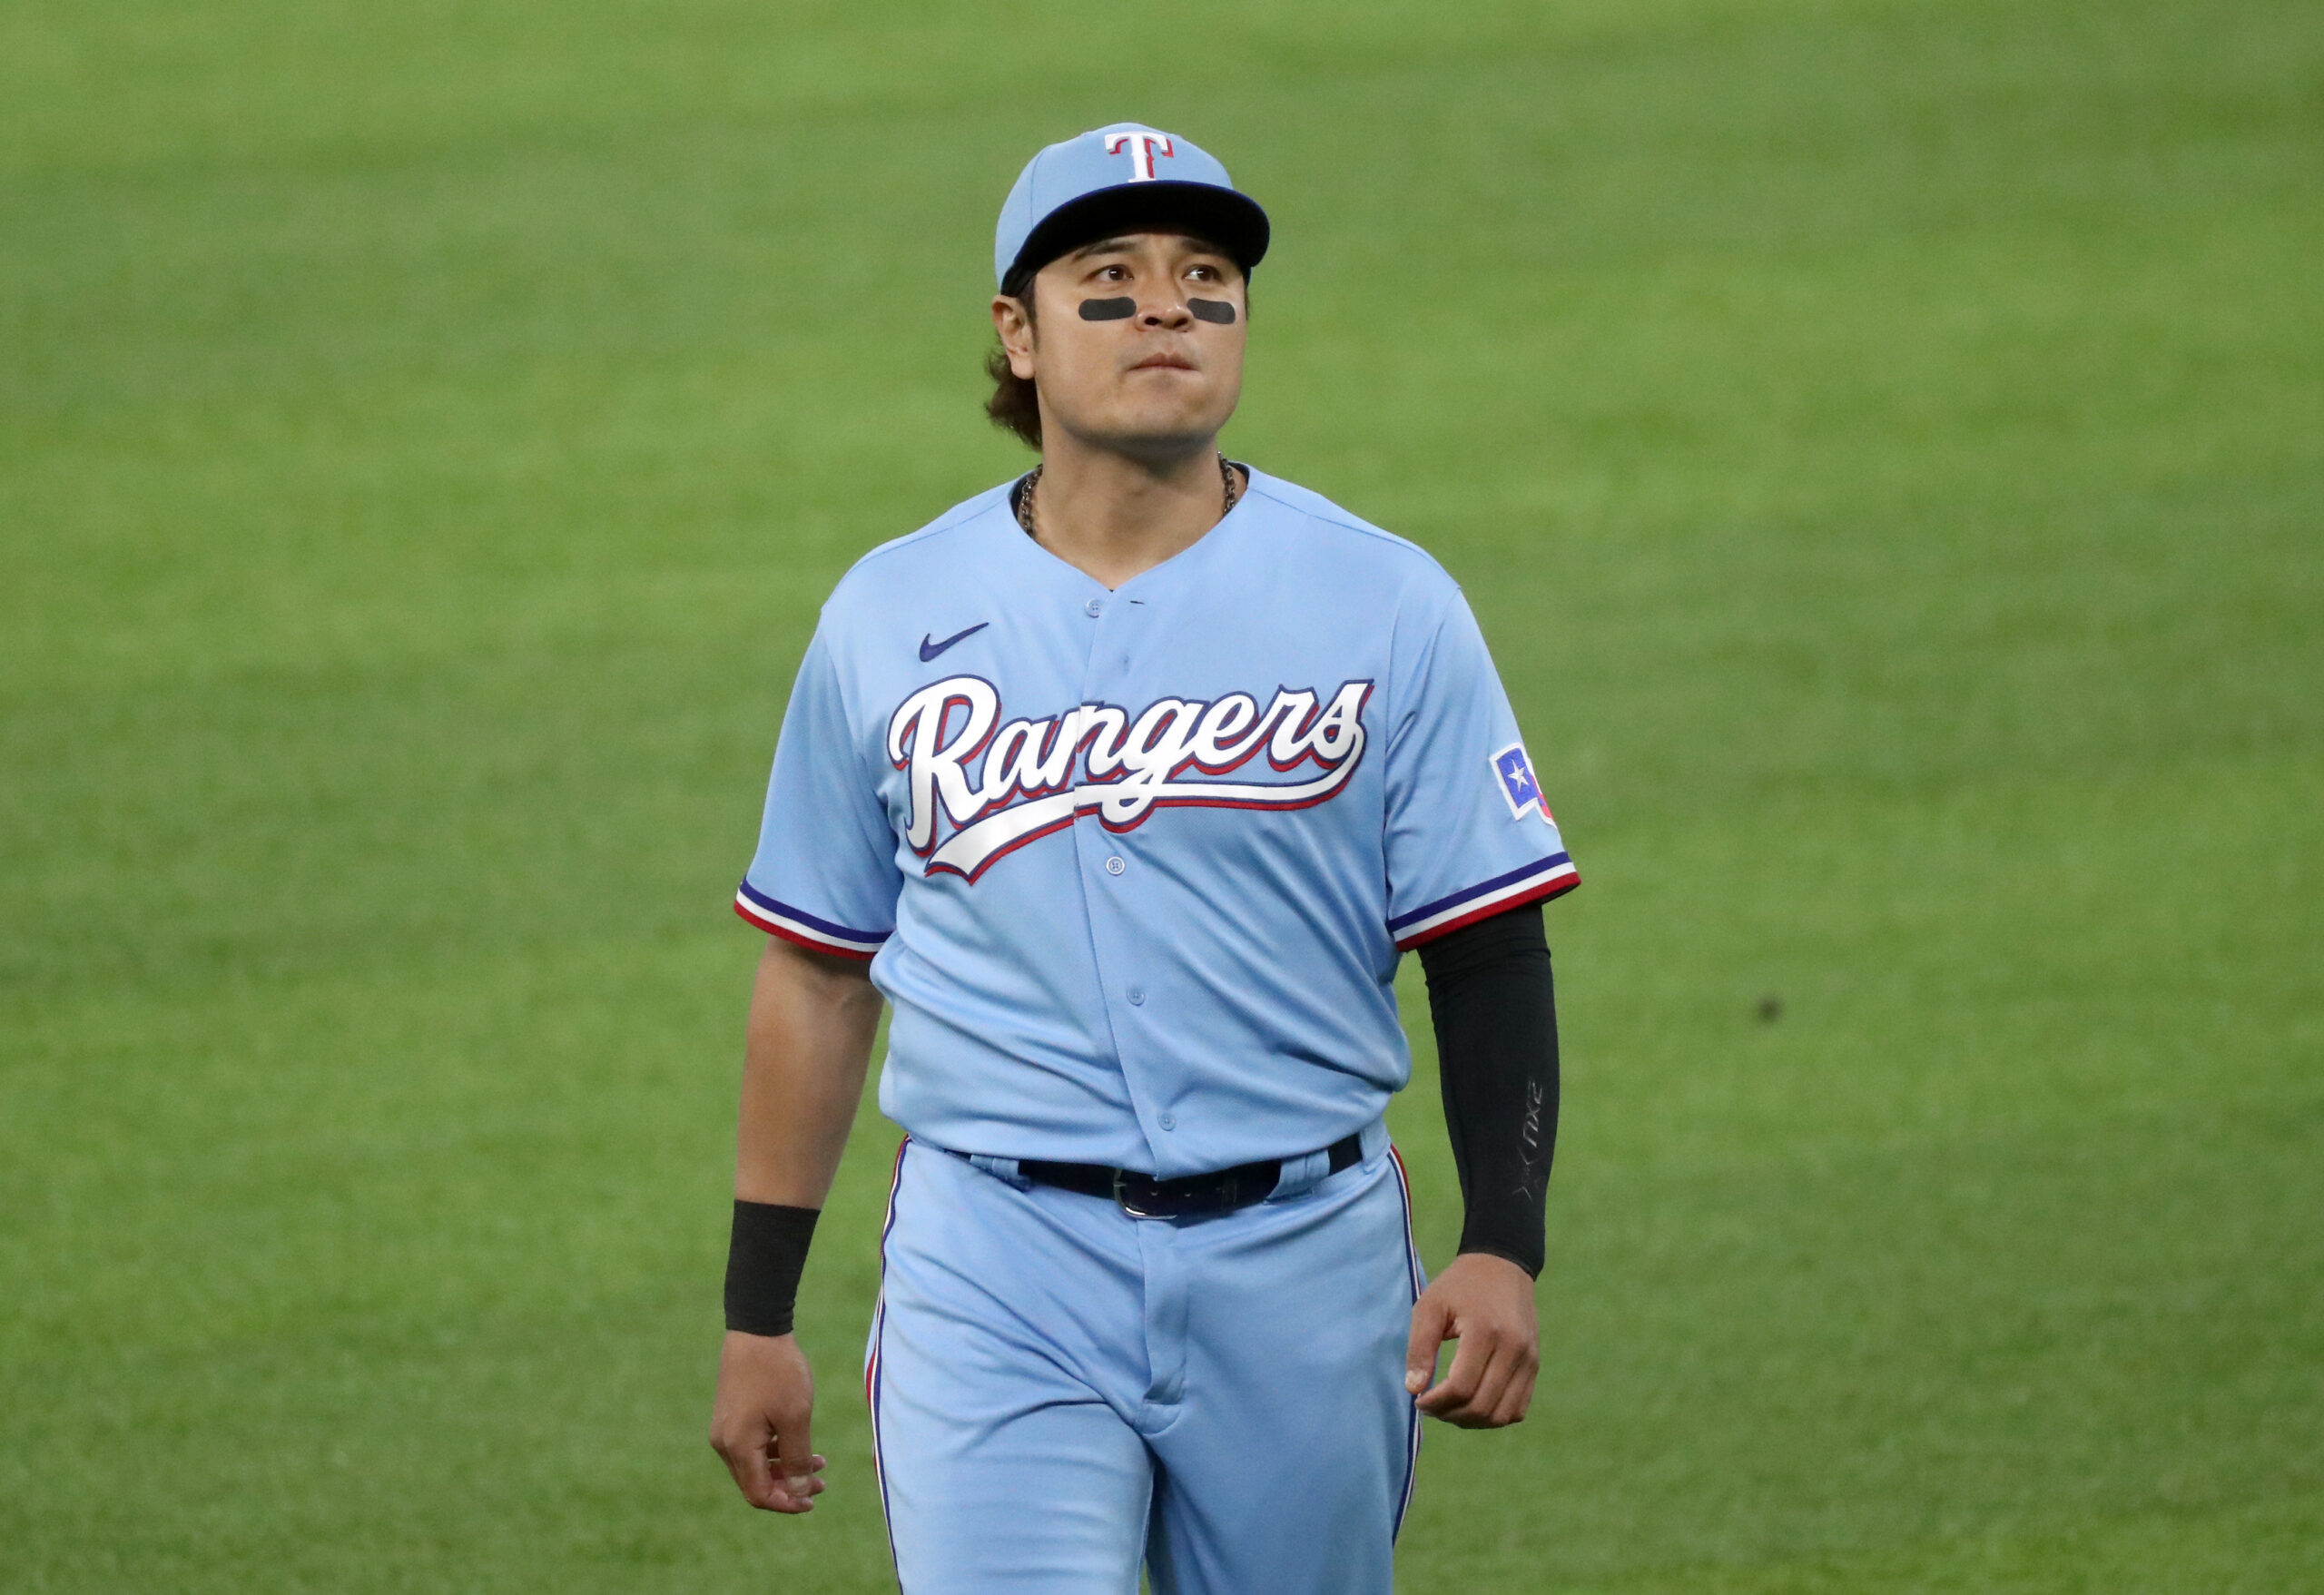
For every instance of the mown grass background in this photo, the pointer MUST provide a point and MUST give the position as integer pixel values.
(1884, 441)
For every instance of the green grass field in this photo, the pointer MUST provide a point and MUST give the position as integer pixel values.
(1882, 440)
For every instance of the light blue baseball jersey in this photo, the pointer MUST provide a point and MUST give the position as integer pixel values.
(1135, 866)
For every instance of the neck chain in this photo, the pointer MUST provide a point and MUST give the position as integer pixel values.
(1230, 486)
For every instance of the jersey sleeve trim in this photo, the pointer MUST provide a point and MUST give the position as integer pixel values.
(1536, 881)
(779, 919)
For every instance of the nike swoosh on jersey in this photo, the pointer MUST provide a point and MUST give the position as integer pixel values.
(928, 650)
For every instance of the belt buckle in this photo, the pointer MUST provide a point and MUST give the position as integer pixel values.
(1122, 1197)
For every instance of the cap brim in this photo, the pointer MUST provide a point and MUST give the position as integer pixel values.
(1232, 221)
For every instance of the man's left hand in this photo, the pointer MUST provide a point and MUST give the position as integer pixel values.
(1485, 1303)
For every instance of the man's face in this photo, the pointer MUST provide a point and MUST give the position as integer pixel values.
(1153, 376)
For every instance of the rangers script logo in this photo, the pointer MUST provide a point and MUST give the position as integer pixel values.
(1034, 777)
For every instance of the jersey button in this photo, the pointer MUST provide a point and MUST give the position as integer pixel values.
(1096, 607)
(1115, 865)
(1137, 996)
(1166, 1122)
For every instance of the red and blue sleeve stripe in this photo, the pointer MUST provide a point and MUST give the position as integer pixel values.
(1535, 882)
(779, 919)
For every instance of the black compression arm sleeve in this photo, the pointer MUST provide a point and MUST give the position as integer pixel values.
(1495, 1011)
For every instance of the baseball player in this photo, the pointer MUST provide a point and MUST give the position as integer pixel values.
(1125, 784)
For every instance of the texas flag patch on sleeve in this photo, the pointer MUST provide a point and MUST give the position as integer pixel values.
(1523, 793)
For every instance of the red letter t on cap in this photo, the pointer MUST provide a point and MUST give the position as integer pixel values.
(1142, 147)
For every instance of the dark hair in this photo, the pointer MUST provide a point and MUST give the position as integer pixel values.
(1016, 402)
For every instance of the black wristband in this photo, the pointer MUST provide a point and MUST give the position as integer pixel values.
(1495, 1012)
(764, 1259)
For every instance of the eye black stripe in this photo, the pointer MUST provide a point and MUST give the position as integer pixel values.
(1108, 310)
(1208, 310)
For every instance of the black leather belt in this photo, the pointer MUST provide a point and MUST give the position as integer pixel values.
(1142, 1195)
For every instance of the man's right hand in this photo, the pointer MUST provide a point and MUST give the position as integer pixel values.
(759, 1422)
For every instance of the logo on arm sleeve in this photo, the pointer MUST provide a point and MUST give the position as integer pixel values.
(1514, 771)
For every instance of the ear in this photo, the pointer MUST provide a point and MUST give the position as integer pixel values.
(1015, 330)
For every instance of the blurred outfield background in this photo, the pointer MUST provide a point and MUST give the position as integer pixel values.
(1884, 441)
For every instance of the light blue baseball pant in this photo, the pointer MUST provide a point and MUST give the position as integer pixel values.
(1060, 1390)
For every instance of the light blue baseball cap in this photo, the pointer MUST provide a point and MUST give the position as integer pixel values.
(1125, 174)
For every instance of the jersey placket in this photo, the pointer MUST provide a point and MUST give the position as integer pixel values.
(1114, 880)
